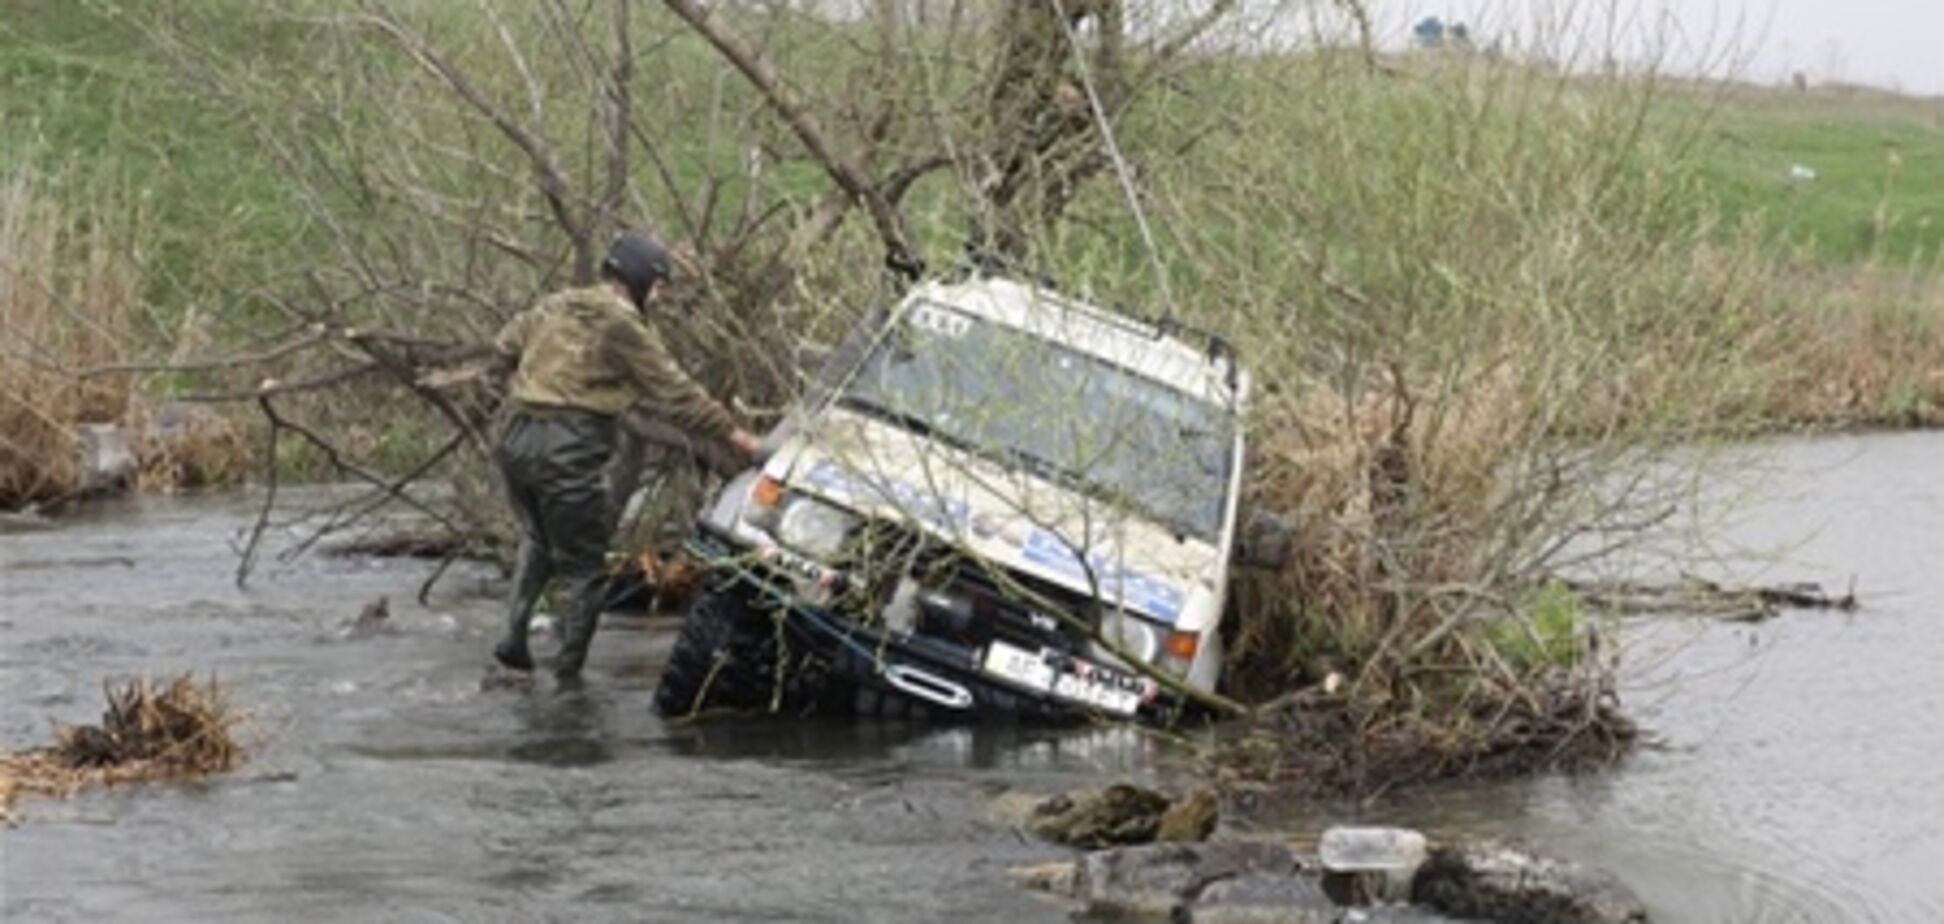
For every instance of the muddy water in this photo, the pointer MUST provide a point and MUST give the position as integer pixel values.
(1799, 775)
(390, 786)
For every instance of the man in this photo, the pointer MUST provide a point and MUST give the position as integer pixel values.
(585, 356)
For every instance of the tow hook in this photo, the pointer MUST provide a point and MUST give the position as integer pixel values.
(927, 686)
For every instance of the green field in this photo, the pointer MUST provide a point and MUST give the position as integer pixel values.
(93, 111)
(89, 103)
(1878, 160)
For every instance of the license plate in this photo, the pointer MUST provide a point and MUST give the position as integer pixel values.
(1096, 694)
(1020, 666)
(1030, 670)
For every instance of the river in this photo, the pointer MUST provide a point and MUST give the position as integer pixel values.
(1794, 779)
(1797, 773)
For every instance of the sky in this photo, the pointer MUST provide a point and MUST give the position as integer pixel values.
(1893, 44)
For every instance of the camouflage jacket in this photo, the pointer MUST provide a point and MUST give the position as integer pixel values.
(590, 350)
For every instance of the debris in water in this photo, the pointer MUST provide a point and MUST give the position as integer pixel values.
(1698, 596)
(148, 733)
(1125, 814)
(1362, 864)
(371, 619)
(1191, 818)
(428, 542)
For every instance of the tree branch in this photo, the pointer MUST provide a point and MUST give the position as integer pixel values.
(847, 175)
(552, 183)
(619, 123)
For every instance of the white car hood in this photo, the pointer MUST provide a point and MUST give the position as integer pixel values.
(1010, 518)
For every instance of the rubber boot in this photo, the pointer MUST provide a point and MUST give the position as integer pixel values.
(529, 581)
(582, 617)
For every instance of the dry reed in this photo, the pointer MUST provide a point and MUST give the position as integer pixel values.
(66, 301)
(70, 297)
(148, 733)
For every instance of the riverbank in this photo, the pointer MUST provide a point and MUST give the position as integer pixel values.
(1786, 772)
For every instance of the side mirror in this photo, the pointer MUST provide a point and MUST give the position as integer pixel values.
(1267, 542)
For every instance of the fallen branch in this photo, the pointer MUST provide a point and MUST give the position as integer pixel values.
(1699, 596)
(272, 387)
(394, 490)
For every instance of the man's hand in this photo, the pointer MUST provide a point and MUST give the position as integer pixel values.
(747, 444)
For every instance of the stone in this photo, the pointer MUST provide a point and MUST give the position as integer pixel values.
(1395, 914)
(1154, 880)
(107, 461)
(1494, 881)
(1261, 898)
(1120, 814)
(1055, 877)
(371, 620)
(1191, 818)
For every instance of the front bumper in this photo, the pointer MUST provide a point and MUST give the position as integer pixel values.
(950, 678)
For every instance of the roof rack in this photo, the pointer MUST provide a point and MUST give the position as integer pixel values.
(982, 262)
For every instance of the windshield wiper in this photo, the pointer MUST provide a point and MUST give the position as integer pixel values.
(891, 415)
(1016, 457)
(885, 413)
(1111, 494)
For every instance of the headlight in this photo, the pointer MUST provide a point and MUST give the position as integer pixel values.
(813, 527)
(1135, 635)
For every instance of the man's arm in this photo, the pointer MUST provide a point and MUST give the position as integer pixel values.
(637, 351)
(512, 338)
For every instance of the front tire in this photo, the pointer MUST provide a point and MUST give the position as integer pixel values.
(718, 661)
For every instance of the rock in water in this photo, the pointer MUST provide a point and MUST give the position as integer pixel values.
(1190, 819)
(107, 462)
(1161, 880)
(1120, 814)
(371, 619)
(1262, 898)
(1055, 877)
(1497, 882)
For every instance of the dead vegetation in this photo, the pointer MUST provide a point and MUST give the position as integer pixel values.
(65, 300)
(148, 733)
(1319, 741)
(70, 302)
(1868, 350)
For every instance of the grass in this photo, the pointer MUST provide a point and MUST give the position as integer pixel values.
(82, 91)
(1552, 631)
(1878, 161)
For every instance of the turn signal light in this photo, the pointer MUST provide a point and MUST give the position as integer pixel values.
(1183, 645)
(767, 493)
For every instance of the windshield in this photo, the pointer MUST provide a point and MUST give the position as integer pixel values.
(1059, 413)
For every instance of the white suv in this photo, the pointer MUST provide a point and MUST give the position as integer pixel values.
(995, 498)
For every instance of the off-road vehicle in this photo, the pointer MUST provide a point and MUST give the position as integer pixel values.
(994, 498)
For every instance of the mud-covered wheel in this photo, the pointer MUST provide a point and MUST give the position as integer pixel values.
(721, 659)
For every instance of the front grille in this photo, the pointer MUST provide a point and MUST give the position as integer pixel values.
(1025, 611)
(1017, 608)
